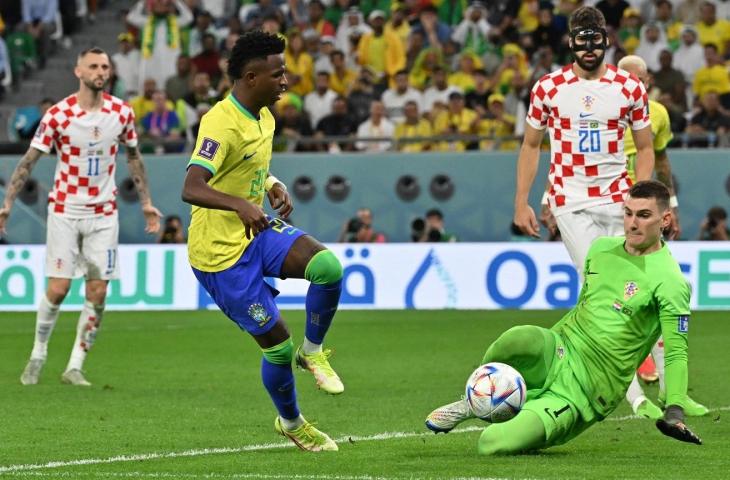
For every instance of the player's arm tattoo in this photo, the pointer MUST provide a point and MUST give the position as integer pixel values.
(21, 174)
(139, 176)
(663, 169)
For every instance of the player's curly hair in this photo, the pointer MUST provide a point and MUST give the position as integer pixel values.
(586, 17)
(651, 189)
(252, 45)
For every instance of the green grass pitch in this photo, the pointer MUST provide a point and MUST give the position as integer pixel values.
(178, 395)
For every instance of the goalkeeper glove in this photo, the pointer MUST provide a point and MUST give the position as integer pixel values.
(672, 425)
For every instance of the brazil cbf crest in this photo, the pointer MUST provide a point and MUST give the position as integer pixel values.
(258, 313)
(630, 290)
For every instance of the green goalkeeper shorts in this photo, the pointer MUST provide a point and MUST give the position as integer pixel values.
(562, 406)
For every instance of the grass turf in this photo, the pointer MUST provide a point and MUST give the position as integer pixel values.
(180, 381)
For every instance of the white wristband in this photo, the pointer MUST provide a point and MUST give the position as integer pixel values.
(544, 200)
(271, 181)
(673, 203)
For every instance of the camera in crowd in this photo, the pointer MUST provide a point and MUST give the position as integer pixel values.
(714, 216)
(421, 233)
(430, 228)
(354, 225)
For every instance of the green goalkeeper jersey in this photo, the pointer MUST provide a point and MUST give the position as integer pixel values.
(626, 302)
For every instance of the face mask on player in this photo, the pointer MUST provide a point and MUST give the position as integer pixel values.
(589, 39)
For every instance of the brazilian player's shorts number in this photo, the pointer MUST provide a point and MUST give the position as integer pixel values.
(590, 141)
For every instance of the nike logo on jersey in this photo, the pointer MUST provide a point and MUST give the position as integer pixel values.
(93, 144)
(584, 115)
(246, 157)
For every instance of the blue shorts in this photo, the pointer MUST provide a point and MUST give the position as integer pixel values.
(240, 290)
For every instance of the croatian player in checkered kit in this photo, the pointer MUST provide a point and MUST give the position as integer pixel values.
(587, 107)
(83, 226)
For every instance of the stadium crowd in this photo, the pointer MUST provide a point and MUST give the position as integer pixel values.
(416, 75)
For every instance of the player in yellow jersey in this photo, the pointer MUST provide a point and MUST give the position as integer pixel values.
(662, 134)
(233, 244)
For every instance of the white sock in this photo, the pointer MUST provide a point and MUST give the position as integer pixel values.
(309, 348)
(86, 329)
(44, 322)
(634, 395)
(657, 352)
(293, 423)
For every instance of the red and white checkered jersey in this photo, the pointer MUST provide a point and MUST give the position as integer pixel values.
(587, 120)
(86, 144)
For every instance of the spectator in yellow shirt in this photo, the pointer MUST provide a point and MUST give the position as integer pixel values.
(464, 77)
(381, 51)
(299, 65)
(342, 78)
(413, 126)
(424, 67)
(714, 77)
(455, 120)
(498, 125)
(712, 30)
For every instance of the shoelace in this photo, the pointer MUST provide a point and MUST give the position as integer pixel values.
(321, 360)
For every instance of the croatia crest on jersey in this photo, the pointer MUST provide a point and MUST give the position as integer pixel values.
(258, 313)
(630, 290)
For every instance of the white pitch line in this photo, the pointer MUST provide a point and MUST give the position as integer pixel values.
(221, 476)
(248, 448)
(211, 451)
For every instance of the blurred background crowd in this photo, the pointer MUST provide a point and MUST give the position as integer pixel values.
(375, 75)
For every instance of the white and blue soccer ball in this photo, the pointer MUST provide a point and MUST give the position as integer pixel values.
(495, 392)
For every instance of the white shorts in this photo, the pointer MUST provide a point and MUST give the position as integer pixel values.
(82, 246)
(578, 229)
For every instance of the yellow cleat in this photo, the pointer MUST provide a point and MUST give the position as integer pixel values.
(319, 365)
(307, 437)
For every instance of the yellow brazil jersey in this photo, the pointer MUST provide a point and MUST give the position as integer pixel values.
(236, 148)
(661, 130)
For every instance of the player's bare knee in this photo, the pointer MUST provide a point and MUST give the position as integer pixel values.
(57, 290)
(96, 292)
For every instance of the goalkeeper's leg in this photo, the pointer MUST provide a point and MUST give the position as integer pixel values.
(523, 433)
(528, 349)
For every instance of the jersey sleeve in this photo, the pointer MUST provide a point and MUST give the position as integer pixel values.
(211, 146)
(663, 128)
(129, 133)
(639, 107)
(537, 114)
(47, 131)
(672, 298)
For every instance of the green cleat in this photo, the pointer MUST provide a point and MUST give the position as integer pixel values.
(319, 365)
(647, 409)
(691, 408)
(307, 437)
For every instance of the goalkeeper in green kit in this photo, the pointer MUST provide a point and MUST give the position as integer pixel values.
(578, 371)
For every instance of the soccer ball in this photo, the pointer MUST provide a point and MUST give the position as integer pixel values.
(495, 392)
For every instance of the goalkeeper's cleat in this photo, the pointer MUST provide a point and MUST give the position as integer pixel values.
(647, 371)
(74, 377)
(319, 365)
(307, 437)
(32, 371)
(647, 409)
(691, 408)
(445, 418)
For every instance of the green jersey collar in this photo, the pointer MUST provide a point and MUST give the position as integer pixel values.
(242, 109)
